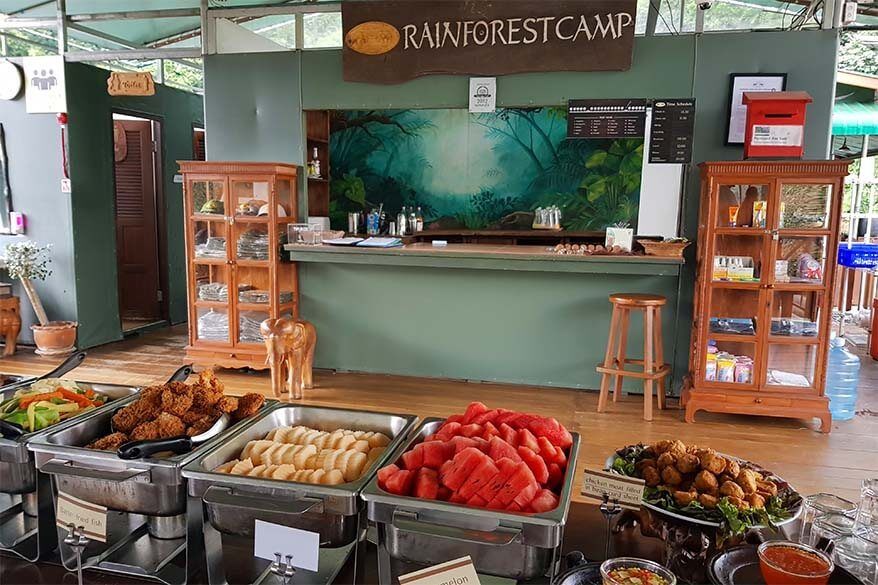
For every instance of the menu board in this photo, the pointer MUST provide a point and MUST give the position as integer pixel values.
(606, 118)
(670, 131)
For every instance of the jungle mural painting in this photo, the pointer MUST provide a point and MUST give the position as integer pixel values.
(480, 171)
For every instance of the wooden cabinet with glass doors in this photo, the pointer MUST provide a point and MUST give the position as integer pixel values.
(236, 221)
(767, 241)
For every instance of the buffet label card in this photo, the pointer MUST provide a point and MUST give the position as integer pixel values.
(628, 491)
(457, 572)
(90, 518)
(302, 546)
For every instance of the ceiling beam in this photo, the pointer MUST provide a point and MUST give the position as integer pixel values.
(134, 15)
(260, 11)
(122, 42)
(24, 9)
(18, 23)
(78, 56)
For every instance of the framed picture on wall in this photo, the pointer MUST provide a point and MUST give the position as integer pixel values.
(738, 84)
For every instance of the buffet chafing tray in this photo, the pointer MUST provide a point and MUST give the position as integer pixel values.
(414, 533)
(146, 499)
(25, 496)
(232, 503)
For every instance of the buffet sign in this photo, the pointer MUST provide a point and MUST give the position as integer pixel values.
(626, 491)
(391, 41)
(459, 572)
(130, 83)
(89, 519)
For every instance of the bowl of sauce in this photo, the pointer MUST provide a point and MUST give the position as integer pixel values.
(787, 563)
(634, 571)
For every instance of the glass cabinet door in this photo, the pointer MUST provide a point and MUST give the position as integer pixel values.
(249, 196)
(803, 206)
(742, 206)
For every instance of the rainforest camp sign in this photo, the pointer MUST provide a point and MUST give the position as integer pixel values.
(390, 41)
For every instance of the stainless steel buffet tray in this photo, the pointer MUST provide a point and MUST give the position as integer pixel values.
(17, 471)
(233, 502)
(16, 380)
(150, 486)
(427, 532)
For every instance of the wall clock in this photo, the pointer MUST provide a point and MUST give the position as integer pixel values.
(11, 80)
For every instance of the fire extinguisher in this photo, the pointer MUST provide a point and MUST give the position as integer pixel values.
(62, 121)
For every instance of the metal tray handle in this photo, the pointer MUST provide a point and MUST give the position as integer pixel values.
(61, 467)
(222, 496)
(409, 522)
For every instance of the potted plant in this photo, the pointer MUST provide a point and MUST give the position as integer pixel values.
(27, 262)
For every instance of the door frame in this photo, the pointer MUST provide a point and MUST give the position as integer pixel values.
(160, 211)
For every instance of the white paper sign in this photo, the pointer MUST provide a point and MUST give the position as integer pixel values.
(45, 91)
(776, 135)
(301, 545)
(482, 94)
(457, 572)
(627, 491)
(740, 84)
(90, 517)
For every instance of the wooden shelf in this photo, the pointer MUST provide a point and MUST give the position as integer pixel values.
(209, 217)
(211, 261)
(763, 300)
(253, 263)
(212, 304)
(320, 140)
(318, 179)
(252, 219)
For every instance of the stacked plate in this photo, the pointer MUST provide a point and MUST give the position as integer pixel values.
(214, 248)
(214, 326)
(253, 245)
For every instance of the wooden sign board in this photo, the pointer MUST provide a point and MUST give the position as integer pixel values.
(391, 41)
(124, 83)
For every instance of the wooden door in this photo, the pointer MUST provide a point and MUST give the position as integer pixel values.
(137, 252)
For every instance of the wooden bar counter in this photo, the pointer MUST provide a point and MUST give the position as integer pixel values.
(489, 312)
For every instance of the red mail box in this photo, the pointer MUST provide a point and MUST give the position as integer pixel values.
(775, 124)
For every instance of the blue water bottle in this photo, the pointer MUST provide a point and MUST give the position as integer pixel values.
(842, 378)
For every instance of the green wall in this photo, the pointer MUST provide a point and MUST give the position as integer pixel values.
(491, 325)
(90, 111)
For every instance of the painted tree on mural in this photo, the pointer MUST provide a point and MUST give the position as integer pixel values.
(480, 171)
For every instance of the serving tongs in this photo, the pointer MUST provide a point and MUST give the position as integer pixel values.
(176, 445)
(12, 431)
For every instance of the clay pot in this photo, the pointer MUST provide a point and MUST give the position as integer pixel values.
(55, 338)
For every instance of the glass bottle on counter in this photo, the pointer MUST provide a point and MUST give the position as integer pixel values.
(419, 220)
(315, 164)
(402, 222)
(413, 221)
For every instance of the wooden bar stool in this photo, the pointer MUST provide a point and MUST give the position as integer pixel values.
(653, 362)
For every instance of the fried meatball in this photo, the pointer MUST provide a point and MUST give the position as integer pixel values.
(756, 501)
(687, 463)
(747, 480)
(640, 465)
(671, 476)
(732, 490)
(766, 487)
(227, 404)
(732, 469)
(677, 448)
(109, 443)
(705, 482)
(739, 503)
(662, 446)
(651, 476)
(685, 498)
(713, 462)
(666, 460)
(707, 500)
(248, 405)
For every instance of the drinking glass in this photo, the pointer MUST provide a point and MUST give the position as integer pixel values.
(859, 556)
(818, 505)
(830, 528)
(866, 524)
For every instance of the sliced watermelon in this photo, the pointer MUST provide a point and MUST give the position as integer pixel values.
(461, 467)
(486, 417)
(456, 499)
(527, 493)
(472, 430)
(444, 493)
(508, 434)
(460, 443)
(495, 504)
(400, 483)
(520, 479)
(414, 459)
(551, 453)
(504, 416)
(386, 472)
(544, 501)
(429, 438)
(427, 484)
(481, 475)
(513, 507)
(472, 411)
(458, 418)
(436, 453)
(556, 476)
(527, 439)
(448, 430)
(498, 449)
(490, 431)
(536, 464)
(552, 430)
(477, 501)
(481, 444)
(490, 490)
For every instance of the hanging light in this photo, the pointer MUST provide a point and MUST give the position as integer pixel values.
(844, 146)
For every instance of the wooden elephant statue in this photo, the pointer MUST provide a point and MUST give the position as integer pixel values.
(10, 323)
(290, 347)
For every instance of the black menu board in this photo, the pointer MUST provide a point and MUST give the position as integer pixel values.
(606, 118)
(670, 131)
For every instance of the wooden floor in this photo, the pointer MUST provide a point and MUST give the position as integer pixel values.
(811, 461)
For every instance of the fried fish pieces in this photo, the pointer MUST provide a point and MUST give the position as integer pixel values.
(164, 426)
(248, 405)
(109, 443)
